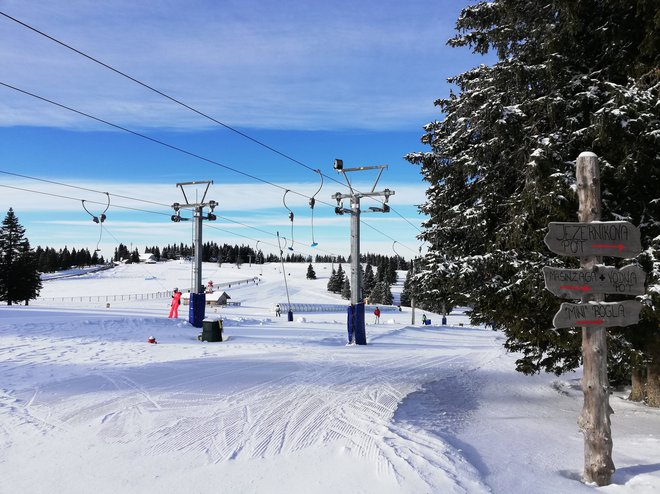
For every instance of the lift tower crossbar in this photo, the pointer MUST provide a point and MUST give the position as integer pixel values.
(354, 211)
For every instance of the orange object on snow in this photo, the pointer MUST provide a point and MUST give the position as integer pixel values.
(176, 301)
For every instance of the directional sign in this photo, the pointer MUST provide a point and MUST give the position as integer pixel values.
(607, 238)
(598, 314)
(573, 283)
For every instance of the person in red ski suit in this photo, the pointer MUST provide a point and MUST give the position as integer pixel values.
(377, 315)
(176, 301)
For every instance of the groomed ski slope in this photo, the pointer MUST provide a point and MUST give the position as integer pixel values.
(88, 406)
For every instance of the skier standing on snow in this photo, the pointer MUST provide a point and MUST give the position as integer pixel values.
(377, 314)
(278, 311)
(176, 301)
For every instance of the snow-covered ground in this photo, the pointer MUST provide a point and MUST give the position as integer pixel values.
(88, 406)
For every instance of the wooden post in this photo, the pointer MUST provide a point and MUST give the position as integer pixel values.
(594, 420)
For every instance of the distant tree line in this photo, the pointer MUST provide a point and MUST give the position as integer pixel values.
(239, 254)
(49, 259)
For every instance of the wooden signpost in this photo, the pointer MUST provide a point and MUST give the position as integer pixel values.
(607, 238)
(606, 314)
(590, 240)
(573, 283)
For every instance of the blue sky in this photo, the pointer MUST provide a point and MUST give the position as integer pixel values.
(354, 80)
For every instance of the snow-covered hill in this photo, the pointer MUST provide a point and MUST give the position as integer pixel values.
(87, 405)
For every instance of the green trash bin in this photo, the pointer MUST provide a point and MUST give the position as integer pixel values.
(211, 330)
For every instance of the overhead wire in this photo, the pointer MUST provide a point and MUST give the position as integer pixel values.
(142, 265)
(185, 105)
(60, 196)
(152, 139)
(170, 146)
(386, 235)
(81, 188)
(78, 199)
(64, 184)
(161, 93)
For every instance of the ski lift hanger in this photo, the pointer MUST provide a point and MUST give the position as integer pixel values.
(98, 219)
(101, 218)
(291, 216)
(312, 203)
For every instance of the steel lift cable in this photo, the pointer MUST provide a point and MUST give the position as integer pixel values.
(181, 103)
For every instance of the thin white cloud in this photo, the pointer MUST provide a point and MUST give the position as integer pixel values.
(31, 195)
(292, 65)
(256, 212)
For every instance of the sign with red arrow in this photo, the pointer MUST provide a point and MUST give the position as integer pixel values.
(606, 238)
(591, 314)
(574, 283)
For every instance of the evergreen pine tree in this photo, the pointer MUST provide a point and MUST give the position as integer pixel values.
(332, 280)
(570, 77)
(376, 294)
(19, 274)
(407, 291)
(311, 274)
(346, 289)
(388, 299)
(339, 280)
(52, 262)
(392, 275)
(368, 280)
(381, 270)
(42, 258)
(381, 294)
(65, 259)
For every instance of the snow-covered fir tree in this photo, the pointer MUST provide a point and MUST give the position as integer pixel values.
(311, 274)
(19, 274)
(570, 77)
(346, 289)
(368, 280)
(392, 275)
(407, 292)
(381, 294)
(336, 281)
(331, 280)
